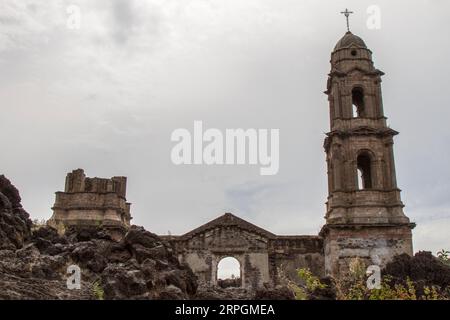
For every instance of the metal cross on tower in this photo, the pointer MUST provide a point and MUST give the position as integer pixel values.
(347, 14)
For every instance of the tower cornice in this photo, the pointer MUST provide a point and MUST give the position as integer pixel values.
(342, 74)
(363, 131)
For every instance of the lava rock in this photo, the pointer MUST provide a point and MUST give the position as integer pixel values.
(15, 223)
(423, 269)
(34, 263)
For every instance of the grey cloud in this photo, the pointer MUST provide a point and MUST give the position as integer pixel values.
(124, 19)
(248, 195)
(129, 19)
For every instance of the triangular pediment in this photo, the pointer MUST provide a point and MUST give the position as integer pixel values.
(229, 220)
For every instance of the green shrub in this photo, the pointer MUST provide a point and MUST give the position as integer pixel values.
(312, 282)
(308, 283)
(98, 291)
(353, 287)
(444, 256)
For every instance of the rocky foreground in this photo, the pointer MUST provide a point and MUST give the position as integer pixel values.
(34, 264)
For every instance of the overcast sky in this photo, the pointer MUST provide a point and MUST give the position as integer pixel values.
(106, 98)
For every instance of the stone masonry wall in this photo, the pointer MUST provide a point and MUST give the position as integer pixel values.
(262, 256)
(91, 202)
(375, 245)
(290, 253)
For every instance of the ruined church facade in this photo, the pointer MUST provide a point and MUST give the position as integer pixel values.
(364, 212)
(262, 255)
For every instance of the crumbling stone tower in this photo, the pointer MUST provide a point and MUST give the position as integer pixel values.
(364, 215)
(91, 202)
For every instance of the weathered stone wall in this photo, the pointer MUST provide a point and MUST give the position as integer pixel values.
(375, 245)
(262, 255)
(204, 251)
(91, 202)
(290, 253)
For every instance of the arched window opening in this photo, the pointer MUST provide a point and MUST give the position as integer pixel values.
(229, 273)
(364, 172)
(358, 103)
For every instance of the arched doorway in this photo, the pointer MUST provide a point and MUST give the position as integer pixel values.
(229, 273)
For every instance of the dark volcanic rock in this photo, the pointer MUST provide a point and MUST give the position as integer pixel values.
(10, 192)
(15, 224)
(138, 235)
(423, 269)
(117, 253)
(327, 293)
(228, 283)
(119, 282)
(277, 293)
(34, 264)
(183, 279)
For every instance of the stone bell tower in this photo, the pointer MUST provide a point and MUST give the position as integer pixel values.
(364, 215)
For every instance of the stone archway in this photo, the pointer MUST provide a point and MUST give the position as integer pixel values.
(229, 272)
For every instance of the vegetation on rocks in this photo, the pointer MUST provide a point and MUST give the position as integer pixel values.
(421, 277)
(444, 256)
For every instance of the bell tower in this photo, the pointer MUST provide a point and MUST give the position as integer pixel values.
(364, 215)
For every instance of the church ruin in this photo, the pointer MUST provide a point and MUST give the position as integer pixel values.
(261, 254)
(364, 212)
(91, 202)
